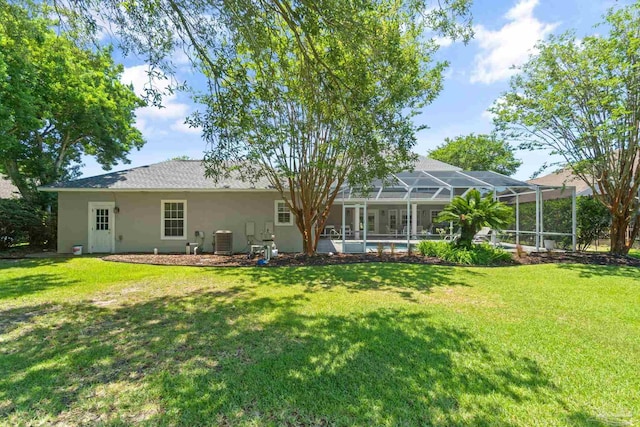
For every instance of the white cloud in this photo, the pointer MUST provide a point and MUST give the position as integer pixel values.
(141, 80)
(181, 126)
(448, 73)
(443, 41)
(180, 57)
(487, 115)
(103, 27)
(171, 108)
(510, 45)
(141, 124)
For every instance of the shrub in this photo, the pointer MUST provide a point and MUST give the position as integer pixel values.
(483, 254)
(45, 232)
(15, 220)
(594, 219)
(21, 222)
(430, 248)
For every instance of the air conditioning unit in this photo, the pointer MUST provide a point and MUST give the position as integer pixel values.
(224, 242)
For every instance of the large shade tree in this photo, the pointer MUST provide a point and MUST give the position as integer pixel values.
(478, 152)
(58, 102)
(312, 95)
(580, 98)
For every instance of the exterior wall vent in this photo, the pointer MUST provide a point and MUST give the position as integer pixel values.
(224, 242)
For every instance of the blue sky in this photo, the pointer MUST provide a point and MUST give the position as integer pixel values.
(505, 32)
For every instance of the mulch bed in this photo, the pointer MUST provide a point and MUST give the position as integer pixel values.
(591, 258)
(282, 260)
(240, 260)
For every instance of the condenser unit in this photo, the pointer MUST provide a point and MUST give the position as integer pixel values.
(224, 242)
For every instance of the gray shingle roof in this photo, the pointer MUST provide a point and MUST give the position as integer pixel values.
(561, 178)
(169, 175)
(7, 189)
(185, 175)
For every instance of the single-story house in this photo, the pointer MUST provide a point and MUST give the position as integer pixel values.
(7, 189)
(560, 178)
(167, 205)
(565, 177)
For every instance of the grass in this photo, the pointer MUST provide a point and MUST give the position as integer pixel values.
(83, 341)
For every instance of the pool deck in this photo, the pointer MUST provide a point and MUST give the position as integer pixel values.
(335, 246)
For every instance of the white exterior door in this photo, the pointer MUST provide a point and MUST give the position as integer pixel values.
(393, 223)
(403, 220)
(101, 227)
(372, 220)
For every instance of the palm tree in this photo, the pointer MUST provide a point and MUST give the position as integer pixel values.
(470, 212)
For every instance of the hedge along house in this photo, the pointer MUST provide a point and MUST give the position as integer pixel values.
(168, 205)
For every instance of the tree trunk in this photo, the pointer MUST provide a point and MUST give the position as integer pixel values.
(308, 244)
(310, 226)
(467, 232)
(305, 225)
(619, 226)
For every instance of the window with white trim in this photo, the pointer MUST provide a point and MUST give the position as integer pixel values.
(174, 219)
(283, 215)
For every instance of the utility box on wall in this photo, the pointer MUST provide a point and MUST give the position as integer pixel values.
(250, 229)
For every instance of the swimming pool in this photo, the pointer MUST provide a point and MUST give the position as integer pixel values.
(386, 246)
(356, 247)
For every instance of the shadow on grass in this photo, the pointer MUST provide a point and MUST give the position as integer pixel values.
(401, 278)
(34, 262)
(593, 270)
(602, 420)
(30, 283)
(231, 357)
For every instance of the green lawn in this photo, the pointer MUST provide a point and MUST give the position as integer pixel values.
(83, 341)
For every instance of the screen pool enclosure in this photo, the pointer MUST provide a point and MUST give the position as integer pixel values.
(416, 189)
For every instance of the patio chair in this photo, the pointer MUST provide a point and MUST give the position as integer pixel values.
(451, 237)
(392, 231)
(483, 236)
(334, 234)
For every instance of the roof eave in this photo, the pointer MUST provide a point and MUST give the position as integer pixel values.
(150, 190)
